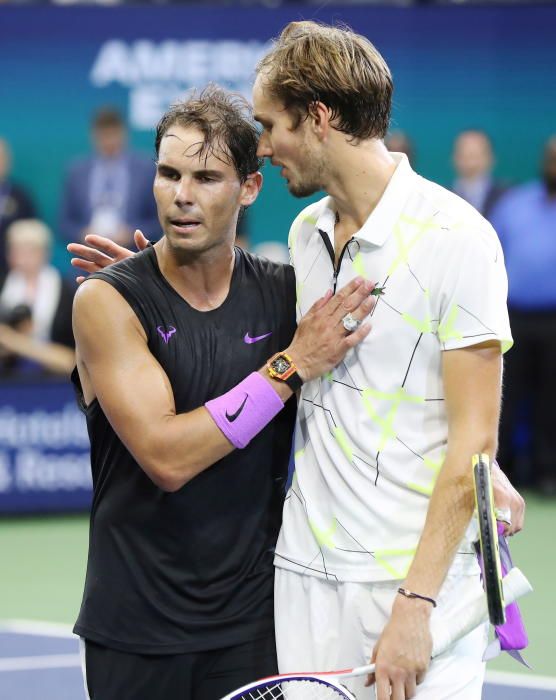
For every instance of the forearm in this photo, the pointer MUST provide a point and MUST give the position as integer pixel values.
(176, 448)
(471, 380)
(179, 447)
(450, 510)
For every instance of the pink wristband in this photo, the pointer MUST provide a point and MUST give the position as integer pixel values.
(245, 410)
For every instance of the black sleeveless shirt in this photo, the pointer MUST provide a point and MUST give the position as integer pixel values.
(191, 570)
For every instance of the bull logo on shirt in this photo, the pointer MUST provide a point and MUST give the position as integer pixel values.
(165, 335)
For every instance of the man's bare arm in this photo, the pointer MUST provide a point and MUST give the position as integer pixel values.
(471, 378)
(116, 366)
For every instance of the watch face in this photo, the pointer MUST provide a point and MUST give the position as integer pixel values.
(280, 365)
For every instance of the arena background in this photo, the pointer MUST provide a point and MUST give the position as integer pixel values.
(454, 67)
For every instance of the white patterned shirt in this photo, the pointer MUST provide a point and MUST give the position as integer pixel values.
(371, 435)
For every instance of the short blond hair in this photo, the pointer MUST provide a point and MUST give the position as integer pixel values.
(29, 231)
(312, 62)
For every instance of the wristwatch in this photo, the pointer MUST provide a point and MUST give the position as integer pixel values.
(282, 367)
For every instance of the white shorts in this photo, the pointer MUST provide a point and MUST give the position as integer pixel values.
(323, 625)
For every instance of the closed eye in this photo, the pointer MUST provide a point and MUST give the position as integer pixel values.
(167, 172)
(208, 176)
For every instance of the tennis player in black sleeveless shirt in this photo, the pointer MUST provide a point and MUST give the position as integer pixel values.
(187, 365)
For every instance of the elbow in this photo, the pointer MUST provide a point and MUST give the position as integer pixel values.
(163, 476)
(168, 485)
(472, 439)
(166, 474)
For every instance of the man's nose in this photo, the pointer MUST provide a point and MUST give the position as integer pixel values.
(264, 149)
(184, 192)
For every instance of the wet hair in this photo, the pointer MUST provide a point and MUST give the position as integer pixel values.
(312, 62)
(225, 119)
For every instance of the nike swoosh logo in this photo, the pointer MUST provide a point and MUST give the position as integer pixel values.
(232, 417)
(248, 339)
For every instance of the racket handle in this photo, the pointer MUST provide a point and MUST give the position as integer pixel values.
(470, 613)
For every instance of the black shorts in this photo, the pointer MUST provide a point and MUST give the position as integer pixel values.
(206, 675)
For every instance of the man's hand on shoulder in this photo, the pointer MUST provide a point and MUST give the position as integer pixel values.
(99, 252)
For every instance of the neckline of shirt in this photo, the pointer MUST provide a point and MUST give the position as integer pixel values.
(381, 221)
(235, 282)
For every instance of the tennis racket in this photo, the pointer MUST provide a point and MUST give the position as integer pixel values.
(462, 618)
(488, 538)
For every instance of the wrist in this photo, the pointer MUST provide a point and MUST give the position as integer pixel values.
(246, 409)
(282, 368)
(300, 365)
(405, 605)
(281, 388)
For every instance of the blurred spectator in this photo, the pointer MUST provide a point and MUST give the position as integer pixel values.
(109, 193)
(15, 203)
(398, 141)
(35, 306)
(473, 160)
(525, 219)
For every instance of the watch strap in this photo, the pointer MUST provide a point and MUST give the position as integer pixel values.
(294, 381)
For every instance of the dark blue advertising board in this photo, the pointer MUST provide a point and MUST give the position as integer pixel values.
(44, 449)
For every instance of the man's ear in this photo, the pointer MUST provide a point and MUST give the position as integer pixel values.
(250, 188)
(319, 117)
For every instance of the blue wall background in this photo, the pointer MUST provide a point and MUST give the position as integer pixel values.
(454, 67)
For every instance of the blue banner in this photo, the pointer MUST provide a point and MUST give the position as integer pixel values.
(44, 449)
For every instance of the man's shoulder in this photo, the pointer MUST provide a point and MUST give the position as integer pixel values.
(117, 291)
(95, 298)
(448, 209)
(456, 227)
(137, 268)
(263, 267)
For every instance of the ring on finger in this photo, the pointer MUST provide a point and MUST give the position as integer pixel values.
(504, 515)
(350, 323)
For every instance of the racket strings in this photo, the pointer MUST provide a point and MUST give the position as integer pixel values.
(295, 689)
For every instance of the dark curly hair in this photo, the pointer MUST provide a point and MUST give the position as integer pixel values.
(226, 122)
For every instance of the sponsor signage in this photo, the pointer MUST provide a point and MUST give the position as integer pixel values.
(44, 449)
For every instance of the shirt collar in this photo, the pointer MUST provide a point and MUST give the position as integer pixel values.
(378, 227)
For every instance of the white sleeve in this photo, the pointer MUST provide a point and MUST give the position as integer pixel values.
(470, 288)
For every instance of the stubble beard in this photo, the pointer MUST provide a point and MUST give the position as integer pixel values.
(310, 181)
(305, 189)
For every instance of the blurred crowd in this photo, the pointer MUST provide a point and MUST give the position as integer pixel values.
(109, 192)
